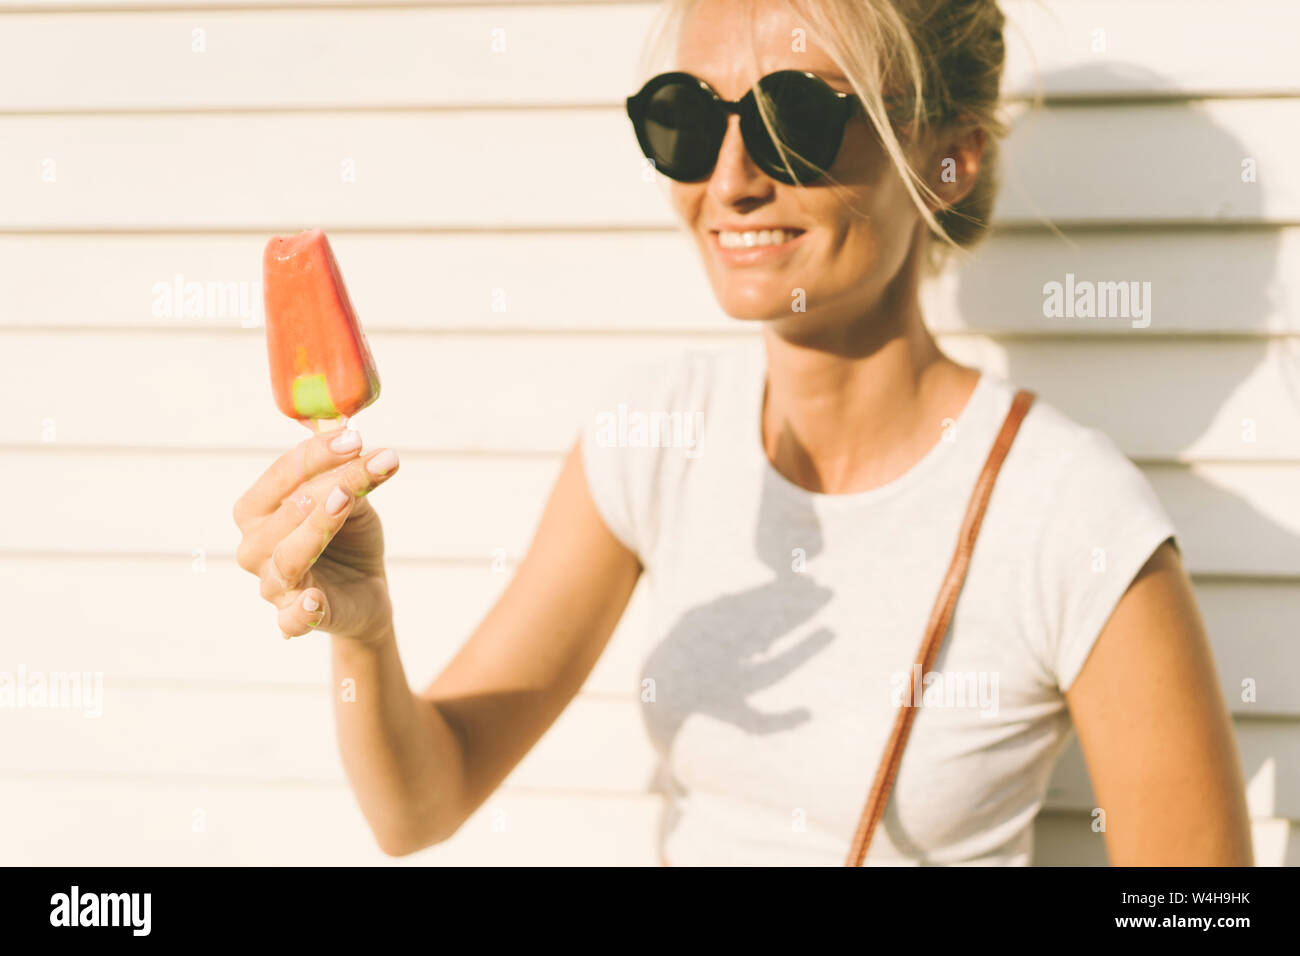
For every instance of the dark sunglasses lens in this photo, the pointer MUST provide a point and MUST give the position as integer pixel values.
(682, 130)
(809, 121)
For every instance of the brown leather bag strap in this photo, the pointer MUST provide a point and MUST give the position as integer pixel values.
(937, 626)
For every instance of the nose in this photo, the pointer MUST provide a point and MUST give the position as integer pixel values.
(736, 180)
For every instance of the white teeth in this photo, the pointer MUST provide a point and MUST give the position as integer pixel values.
(748, 240)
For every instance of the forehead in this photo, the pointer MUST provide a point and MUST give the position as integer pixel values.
(731, 43)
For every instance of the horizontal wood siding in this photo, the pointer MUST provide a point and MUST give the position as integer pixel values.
(500, 283)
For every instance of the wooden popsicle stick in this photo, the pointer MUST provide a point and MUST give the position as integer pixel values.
(323, 425)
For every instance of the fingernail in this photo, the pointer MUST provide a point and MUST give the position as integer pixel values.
(382, 463)
(302, 502)
(337, 501)
(310, 603)
(349, 440)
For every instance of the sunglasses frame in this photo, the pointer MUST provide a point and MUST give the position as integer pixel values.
(844, 107)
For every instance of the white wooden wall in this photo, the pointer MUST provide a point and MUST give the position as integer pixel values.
(126, 159)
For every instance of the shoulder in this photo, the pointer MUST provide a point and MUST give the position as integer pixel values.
(1063, 457)
(643, 424)
(655, 404)
(1078, 520)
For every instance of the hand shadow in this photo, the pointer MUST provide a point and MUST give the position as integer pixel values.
(719, 654)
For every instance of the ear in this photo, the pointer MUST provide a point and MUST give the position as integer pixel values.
(955, 163)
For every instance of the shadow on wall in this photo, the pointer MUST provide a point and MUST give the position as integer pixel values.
(1189, 399)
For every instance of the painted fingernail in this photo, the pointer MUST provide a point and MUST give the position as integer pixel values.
(382, 463)
(310, 603)
(302, 502)
(349, 440)
(337, 501)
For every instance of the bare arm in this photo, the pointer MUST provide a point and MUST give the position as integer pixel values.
(1156, 733)
(420, 764)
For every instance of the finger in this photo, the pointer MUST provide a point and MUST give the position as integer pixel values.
(304, 614)
(308, 458)
(261, 536)
(362, 474)
(293, 557)
(378, 468)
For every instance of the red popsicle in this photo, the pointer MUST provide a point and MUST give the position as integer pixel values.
(321, 368)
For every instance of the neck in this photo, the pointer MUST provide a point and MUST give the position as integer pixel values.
(856, 408)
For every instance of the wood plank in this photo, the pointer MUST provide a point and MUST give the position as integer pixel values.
(1252, 628)
(1232, 519)
(286, 735)
(460, 509)
(1219, 281)
(130, 6)
(1079, 164)
(116, 823)
(1216, 281)
(1160, 399)
(1119, 48)
(395, 169)
(432, 54)
(394, 57)
(1270, 759)
(1067, 839)
(109, 822)
(1251, 625)
(215, 388)
(1186, 399)
(238, 642)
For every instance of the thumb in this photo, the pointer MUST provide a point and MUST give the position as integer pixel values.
(306, 612)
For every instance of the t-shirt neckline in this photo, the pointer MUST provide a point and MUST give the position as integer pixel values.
(937, 453)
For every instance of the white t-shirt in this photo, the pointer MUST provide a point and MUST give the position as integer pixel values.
(784, 623)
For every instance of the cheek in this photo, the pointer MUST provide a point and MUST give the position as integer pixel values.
(877, 227)
(866, 235)
(687, 199)
(873, 218)
(688, 205)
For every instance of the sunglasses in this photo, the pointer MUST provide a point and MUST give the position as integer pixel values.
(680, 122)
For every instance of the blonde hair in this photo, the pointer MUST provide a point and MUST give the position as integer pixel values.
(918, 66)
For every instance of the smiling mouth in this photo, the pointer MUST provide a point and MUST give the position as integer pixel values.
(755, 238)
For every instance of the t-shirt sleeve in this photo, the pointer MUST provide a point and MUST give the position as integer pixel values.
(1107, 522)
(607, 479)
(620, 476)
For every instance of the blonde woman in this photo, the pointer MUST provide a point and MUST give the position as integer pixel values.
(826, 152)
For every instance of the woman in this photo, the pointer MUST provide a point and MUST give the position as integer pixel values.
(794, 549)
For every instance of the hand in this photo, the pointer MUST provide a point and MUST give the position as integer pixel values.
(315, 542)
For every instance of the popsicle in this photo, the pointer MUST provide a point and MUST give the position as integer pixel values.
(321, 368)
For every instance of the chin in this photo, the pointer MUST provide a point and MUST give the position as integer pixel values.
(753, 312)
(755, 304)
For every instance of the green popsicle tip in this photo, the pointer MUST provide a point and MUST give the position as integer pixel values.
(311, 397)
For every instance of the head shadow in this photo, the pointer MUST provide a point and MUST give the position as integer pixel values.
(1166, 396)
